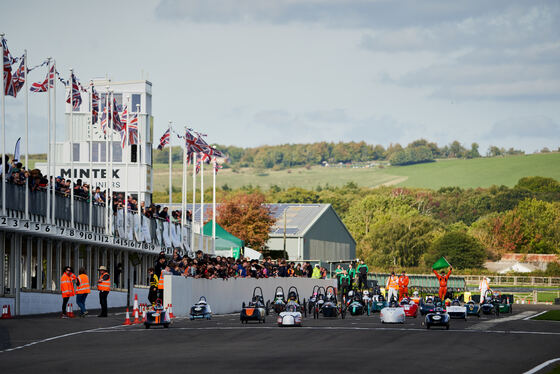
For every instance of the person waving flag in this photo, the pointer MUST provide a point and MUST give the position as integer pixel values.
(443, 277)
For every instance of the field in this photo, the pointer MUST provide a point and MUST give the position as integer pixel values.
(481, 172)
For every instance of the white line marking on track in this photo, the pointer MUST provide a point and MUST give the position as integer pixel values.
(541, 366)
(534, 315)
(485, 325)
(46, 340)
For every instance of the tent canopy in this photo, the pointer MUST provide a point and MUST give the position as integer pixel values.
(224, 240)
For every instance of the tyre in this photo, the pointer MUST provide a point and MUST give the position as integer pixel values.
(166, 325)
(428, 326)
(147, 326)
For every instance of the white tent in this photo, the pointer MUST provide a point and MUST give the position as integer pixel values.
(252, 254)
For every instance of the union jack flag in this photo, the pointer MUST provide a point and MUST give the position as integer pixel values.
(201, 143)
(133, 136)
(103, 122)
(94, 105)
(8, 60)
(213, 152)
(19, 77)
(216, 165)
(190, 143)
(47, 83)
(117, 124)
(74, 94)
(164, 140)
(123, 128)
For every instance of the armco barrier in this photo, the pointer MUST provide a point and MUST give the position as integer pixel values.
(226, 296)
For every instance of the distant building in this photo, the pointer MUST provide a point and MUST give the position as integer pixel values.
(313, 231)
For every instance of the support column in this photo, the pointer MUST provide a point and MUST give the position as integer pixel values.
(125, 273)
(94, 274)
(12, 264)
(48, 286)
(76, 265)
(2, 257)
(68, 255)
(39, 273)
(58, 266)
(18, 274)
(111, 267)
(89, 271)
(28, 258)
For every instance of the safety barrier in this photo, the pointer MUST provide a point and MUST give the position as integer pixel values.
(226, 296)
(511, 280)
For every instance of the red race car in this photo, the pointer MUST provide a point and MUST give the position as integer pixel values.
(410, 307)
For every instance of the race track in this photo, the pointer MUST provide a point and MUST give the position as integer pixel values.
(223, 345)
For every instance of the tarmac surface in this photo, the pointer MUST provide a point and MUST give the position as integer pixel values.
(508, 344)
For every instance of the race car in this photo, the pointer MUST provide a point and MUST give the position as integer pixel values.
(255, 310)
(157, 316)
(394, 313)
(317, 297)
(473, 309)
(427, 305)
(438, 317)
(410, 307)
(354, 304)
(506, 303)
(201, 310)
(331, 308)
(292, 316)
(456, 310)
(378, 303)
(278, 303)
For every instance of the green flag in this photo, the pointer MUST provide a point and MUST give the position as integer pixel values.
(441, 264)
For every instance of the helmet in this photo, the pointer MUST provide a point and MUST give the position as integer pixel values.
(350, 293)
(415, 293)
(292, 295)
(366, 293)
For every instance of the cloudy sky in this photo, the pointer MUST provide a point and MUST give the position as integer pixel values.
(251, 72)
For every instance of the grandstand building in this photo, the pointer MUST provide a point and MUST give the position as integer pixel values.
(137, 96)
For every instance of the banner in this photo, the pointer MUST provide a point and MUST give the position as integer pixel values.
(17, 151)
(146, 230)
(165, 232)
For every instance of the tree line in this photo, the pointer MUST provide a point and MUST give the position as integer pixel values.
(294, 155)
(412, 227)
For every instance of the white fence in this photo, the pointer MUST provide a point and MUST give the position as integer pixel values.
(226, 296)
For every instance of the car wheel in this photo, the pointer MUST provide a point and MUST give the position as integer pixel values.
(147, 326)
(166, 325)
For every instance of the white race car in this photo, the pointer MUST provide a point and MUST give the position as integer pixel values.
(291, 316)
(394, 313)
(456, 310)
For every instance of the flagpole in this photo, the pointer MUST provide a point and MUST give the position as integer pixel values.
(91, 155)
(3, 99)
(193, 197)
(50, 172)
(107, 161)
(26, 135)
(138, 159)
(71, 148)
(170, 182)
(183, 188)
(53, 147)
(110, 131)
(201, 201)
(126, 167)
(214, 207)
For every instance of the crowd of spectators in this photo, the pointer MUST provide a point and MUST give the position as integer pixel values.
(205, 266)
(17, 174)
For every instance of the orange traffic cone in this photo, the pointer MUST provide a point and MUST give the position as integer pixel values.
(170, 309)
(4, 311)
(71, 311)
(127, 319)
(135, 307)
(136, 320)
(8, 313)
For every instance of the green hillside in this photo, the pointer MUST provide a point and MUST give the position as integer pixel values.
(480, 172)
